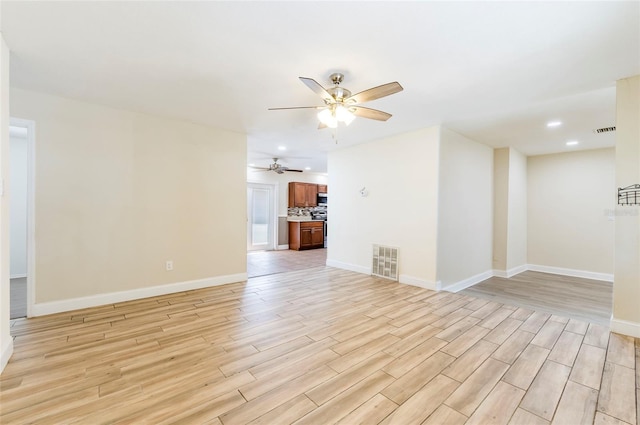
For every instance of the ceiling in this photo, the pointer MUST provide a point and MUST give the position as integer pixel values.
(496, 72)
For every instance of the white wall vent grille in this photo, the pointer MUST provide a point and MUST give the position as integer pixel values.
(385, 262)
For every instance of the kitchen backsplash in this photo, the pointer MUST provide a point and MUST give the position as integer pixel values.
(304, 211)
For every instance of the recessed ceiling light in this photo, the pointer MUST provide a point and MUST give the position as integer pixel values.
(572, 143)
(252, 165)
(307, 168)
(282, 148)
(552, 124)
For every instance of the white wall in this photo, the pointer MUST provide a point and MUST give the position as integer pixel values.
(626, 286)
(465, 210)
(18, 217)
(119, 193)
(282, 182)
(500, 208)
(570, 200)
(517, 223)
(6, 341)
(401, 176)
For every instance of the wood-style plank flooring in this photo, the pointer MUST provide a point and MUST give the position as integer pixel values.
(18, 297)
(579, 298)
(261, 263)
(319, 346)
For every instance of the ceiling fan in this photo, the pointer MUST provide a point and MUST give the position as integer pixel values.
(278, 168)
(341, 106)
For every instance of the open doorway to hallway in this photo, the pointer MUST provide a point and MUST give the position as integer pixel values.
(21, 214)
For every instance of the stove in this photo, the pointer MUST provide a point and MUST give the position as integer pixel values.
(319, 215)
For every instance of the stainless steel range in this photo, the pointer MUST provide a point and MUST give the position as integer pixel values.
(320, 213)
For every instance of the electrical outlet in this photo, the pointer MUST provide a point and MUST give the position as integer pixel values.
(169, 265)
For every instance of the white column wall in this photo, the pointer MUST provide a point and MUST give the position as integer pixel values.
(465, 211)
(517, 204)
(400, 174)
(626, 285)
(6, 342)
(500, 209)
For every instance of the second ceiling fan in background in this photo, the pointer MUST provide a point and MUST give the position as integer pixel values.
(278, 168)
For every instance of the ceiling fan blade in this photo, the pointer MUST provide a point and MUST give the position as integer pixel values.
(375, 93)
(298, 107)
(295, 171)
(373, 114)
(259, 168)
(318, 89)
(321, 125)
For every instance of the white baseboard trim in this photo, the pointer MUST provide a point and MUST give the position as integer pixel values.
(405, 279)
(346, 266)
(422, 283)
(607, 277)
(41, 309)
(7, 351)
(466, 283)
(283, 247)
(625, 327)
(511, 272)
(470, 281)
(17, 276)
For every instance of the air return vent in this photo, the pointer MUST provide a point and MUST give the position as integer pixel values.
(385, 262)
(604, 130)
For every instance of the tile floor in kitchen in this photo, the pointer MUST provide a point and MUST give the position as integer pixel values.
(261, 263)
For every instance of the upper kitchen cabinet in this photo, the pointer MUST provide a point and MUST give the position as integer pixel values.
(303, 194)
(322, 188)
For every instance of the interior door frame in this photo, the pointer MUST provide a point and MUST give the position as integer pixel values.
(273, 211)
(30, 125)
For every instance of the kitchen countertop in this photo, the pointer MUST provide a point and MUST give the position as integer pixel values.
(302, 218)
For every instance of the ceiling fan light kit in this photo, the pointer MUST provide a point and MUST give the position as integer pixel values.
(340, 106)
(344, 115)
(335, 114)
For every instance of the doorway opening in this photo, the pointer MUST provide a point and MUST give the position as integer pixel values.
(267, 234)
(21, 217)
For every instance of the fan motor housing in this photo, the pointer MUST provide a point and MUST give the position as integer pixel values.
(336, 78)
(339, 93)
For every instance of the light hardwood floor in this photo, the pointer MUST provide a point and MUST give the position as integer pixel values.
(317, 347)
(582, 299)
(261, 263)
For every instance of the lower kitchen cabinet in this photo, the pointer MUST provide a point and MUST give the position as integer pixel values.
(306, 234)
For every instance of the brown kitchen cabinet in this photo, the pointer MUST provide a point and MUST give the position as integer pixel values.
(303, 194)
(322, 188)
(306, 234)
